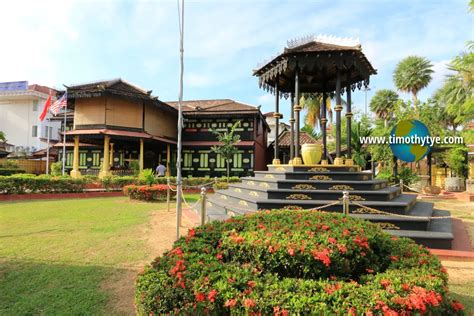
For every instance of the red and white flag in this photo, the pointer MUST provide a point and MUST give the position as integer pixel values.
(60, 103)
(46, 107)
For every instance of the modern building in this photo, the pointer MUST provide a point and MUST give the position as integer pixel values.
(20, 107)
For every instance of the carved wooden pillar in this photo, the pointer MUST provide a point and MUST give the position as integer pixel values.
(297, 107)
(277, 116)
(324, 121)
(349, 161)
(292, 128)
(338, 109)
(105, 161)
(75, 173)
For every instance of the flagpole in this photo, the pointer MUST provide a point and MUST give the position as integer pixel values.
(48, 132)
(180, 121)
(64, 139)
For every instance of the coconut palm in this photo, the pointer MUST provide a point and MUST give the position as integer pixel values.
(383, 104)
(413, 74)
(311, 132)
(311, 103)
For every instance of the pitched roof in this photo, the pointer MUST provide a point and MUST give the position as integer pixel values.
(216, 105)
(42, 89)
(284, 140)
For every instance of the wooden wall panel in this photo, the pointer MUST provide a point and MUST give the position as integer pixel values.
(124, 112)
(89, 111)
(159, 122)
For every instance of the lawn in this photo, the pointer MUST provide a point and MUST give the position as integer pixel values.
(60, 256)
(81, 256)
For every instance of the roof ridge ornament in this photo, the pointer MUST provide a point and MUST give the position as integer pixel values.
(323, 38)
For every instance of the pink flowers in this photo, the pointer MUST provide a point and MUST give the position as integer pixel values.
(249, 303)
(230, 303)
(291, 252)
(361, 241)
(211, 296)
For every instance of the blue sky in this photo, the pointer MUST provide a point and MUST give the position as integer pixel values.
(64, 42)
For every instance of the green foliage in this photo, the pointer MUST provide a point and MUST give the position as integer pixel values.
(384, 103)
(408, 176)
(412, 74)
(56, 168)
(229, 141)
(293, 262)
(2, 136)
(455, 158)
(135, 166)
(146, 176)
(381, 152)
(360, 154)
(148, 193)
(385, 174)
(28, 183)
(308, 129)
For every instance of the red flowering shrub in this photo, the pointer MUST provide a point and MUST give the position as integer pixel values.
(294, 262)
(156, 192)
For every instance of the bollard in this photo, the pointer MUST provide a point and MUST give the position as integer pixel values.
(345, 202)
(168, 194)
(203, 205)
(401, 185)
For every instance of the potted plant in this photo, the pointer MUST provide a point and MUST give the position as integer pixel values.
(455, 158)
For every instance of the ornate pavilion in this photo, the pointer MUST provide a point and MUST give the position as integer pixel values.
(326, 65)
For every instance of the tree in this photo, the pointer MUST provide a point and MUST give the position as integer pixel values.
(228, 148)
(311, 103)
(361, 129)
(383, 104)
(413, 74)
(2, 137)
(311, 132)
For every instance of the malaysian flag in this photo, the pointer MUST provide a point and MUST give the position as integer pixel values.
(60, 103)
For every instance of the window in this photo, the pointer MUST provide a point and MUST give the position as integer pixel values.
(203, 160)
(188, 160)
(220, 161)
(34, 131)
(35, 105)
(96, 158)
(237, 160)
(82, 158)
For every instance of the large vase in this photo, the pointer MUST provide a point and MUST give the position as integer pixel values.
(311, 153)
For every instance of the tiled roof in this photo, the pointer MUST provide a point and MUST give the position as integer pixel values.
(284, 140)
(219, 105)
(42, 89)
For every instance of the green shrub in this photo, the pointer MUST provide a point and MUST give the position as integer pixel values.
(297, 263)
(30, 183)
(408, 176)
(56, 168)
(10, 171)
(157, 192)
(146, 176)
(135, 166)
(220, 186)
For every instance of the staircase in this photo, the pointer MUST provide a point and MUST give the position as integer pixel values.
(306, 187)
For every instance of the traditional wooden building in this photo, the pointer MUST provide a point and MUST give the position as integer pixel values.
(203, 116)
(115, 124)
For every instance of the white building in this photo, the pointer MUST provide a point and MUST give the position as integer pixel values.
(271, 121)
(20, 107)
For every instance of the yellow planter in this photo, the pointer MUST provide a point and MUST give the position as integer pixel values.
(311, 153)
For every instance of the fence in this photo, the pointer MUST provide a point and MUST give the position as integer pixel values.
(29, 166)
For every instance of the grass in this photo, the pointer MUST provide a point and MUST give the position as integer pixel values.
(54, 255)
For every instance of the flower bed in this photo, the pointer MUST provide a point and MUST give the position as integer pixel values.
(156, 192)
(289, 262)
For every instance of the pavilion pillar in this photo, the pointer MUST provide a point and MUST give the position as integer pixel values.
(105, 162)
(338, 160)
(292, 128)
(349, 160)
(297, 108)
(277, 116)
(75, 173)
(428, 157)
(141, 160)
(168, 159)
(324, 121)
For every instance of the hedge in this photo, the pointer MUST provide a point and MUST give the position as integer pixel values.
(29, 183)
(10, 171)
(157, 192)
(294, 262)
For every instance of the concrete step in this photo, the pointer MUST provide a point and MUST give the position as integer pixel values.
(335, 193)
(333, 175)
(375, 184)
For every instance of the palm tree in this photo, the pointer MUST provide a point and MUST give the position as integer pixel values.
(311, 102)
(413, 74)
(311, 132)
(359, 154)
(383, 104)
(2, 136)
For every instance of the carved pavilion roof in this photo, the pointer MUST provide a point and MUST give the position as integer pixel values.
(317, 59)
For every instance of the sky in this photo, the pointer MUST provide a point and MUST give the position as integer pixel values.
(64, 42)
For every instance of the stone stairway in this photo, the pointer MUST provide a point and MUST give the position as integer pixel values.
(306, 187)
